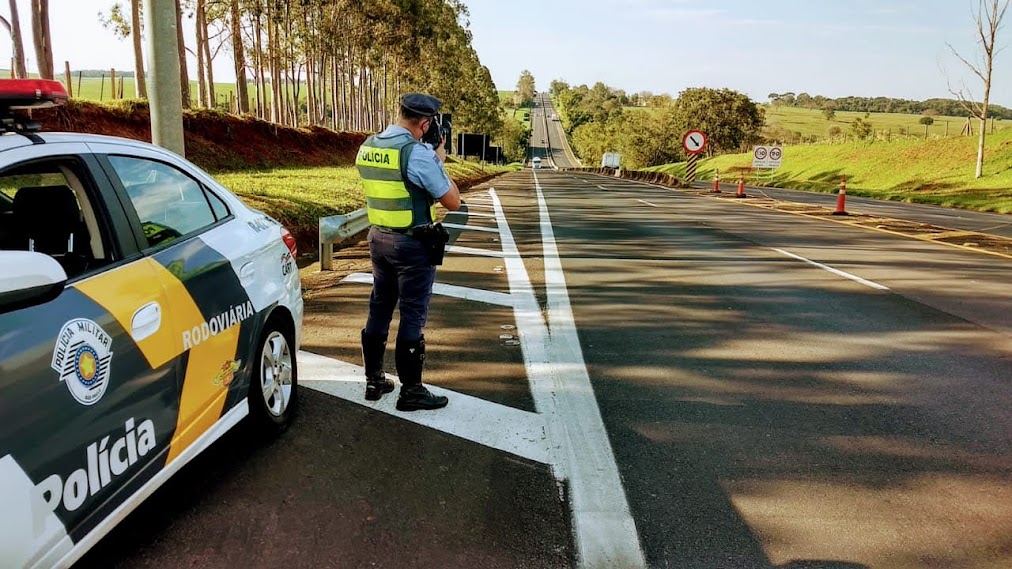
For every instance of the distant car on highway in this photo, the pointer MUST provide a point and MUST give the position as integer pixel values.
(144, 311)
(536, 163)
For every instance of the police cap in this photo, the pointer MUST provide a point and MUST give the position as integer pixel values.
(421, 104)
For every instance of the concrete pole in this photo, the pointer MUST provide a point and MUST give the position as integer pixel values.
(163, 66)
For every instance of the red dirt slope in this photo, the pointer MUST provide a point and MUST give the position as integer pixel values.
(214, 141)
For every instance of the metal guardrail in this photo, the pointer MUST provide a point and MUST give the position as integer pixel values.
(337, 228)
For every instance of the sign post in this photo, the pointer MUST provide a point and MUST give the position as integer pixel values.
(693, 142)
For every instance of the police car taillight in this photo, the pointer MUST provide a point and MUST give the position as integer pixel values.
(289, 240)
(31, 93)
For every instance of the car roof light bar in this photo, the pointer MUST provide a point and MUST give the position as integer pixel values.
(19, 95)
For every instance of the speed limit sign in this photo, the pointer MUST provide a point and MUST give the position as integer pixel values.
(767, 156)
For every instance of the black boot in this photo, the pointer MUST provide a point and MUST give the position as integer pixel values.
(376, 382)
(410, 358)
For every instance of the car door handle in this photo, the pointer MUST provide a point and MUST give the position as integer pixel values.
(146, 321)
(246, 273)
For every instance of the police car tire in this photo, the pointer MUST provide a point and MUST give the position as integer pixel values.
(262, 418)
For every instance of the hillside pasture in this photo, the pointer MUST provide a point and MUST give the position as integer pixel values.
(813, 123)
(937, 171)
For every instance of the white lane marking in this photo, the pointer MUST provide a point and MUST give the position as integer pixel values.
(475, 294)
(470, 227)
(517, 432)
(602, 187)
(843, 274)
(474, 251)
(605, 530)
(648, 203)
(470, 213)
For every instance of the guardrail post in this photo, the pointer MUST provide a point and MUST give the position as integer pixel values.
(326, 252)
(337, 228)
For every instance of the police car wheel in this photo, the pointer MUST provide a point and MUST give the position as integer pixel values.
(273, 393)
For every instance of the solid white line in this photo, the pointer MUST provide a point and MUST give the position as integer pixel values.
(648, 203)
(497, 426)
(834, 271)
(475, 294)
(605, 530)
(470, 227)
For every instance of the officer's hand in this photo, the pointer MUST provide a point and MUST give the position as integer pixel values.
(441, 150)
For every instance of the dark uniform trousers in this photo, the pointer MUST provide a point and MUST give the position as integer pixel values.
(401, 272)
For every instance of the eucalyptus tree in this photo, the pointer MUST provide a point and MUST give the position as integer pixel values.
(42, 38)
(124, 27)
(17, 44)
(343, 63)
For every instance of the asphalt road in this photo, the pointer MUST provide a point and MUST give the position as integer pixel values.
(991, 223)
(638, 376)
(548, 140)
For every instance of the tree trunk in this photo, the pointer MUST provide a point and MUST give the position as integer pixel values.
(42, 39)
(140, 81)
(241, 92)
(201, 30)
(259, 76)
(18, 44)
(208, 67)
(272, 60)
(184, 75)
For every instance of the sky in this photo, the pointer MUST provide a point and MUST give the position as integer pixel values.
(835, 48)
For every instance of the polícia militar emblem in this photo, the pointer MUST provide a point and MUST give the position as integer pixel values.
(82, 357)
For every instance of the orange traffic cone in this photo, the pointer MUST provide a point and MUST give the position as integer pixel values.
(841, 199)
(716, 183)
(741, 186)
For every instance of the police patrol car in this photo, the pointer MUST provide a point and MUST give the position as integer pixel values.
(144, 311)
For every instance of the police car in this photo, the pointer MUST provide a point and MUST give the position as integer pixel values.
(144, 311)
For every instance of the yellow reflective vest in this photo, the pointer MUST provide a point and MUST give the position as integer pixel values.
(391, 199)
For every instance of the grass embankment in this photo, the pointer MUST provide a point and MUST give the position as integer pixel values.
(299, 197)
(938, 172)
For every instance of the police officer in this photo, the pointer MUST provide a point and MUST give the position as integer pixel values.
(403, 178)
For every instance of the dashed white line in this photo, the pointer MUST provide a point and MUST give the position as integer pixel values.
(838, 272)
(648, 203)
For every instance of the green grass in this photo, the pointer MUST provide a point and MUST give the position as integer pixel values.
(299, 197)
(99, 89)
(811, 122)
(938, 171)
(506, 97)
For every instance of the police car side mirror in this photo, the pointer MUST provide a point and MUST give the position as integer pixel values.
(28, 279)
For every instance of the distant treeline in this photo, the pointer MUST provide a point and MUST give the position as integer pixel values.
(947, 107)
